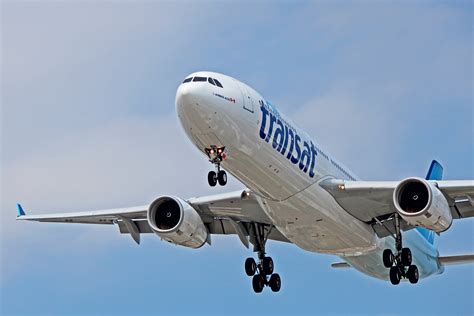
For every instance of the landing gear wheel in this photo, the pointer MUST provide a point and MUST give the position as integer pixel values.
(250, 266)
(258, 283)
(388, 258)
(406, 257)
(222, 177)
(267, 265)
(395, 275)
(264, 269)
(413, 274)
(400, 263)
(275, 282)
(212, 178)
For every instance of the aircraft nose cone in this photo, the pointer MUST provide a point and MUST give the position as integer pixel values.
(185, 95)
(192, 109)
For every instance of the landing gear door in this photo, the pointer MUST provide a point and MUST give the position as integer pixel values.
(247, 98)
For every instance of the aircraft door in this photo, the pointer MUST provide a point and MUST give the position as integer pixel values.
(248, 103)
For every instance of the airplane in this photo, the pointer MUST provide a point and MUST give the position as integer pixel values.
(295, 192)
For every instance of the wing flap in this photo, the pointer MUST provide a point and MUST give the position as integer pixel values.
(460, 195)
(142, 226)
(340, 265)
(463, 208)
(222, 226)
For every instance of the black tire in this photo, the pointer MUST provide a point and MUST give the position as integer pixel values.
(395, 275)
(212, 178)
(275, 282)
(250, 266)
(413, 274)
(258, 283)
(406, 257)
(267, 265)
(222, 177)
(388, 258)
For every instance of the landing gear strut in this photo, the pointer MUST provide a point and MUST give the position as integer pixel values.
(261, 273)
(216, 156)
(400, 263)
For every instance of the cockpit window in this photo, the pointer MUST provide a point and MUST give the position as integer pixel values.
(212, 81)
(218, 83)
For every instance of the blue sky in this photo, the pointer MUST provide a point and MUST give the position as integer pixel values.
(88, 122)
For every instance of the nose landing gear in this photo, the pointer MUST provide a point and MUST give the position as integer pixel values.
(400, 264)
(262, 273)
(216, 156)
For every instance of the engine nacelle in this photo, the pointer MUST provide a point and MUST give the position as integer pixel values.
(421, 203)
(176, 221)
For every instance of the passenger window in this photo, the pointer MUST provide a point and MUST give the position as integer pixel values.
(200, 79)
(218, 83)
(211, 81)
(188, 79)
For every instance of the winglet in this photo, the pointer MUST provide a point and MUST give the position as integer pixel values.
(435, 172)
(20, 210)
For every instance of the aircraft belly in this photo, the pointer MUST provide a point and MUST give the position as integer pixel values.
(313, 221)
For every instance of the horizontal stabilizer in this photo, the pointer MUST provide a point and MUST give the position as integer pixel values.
(450, 260)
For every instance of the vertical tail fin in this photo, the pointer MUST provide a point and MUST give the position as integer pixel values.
(19, 209)
(434, 173)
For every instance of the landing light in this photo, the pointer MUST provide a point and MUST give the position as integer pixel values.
(245, 194)
(342, 187)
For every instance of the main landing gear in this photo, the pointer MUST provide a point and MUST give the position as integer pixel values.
(261, 273)
(216, 156)
(400, 263)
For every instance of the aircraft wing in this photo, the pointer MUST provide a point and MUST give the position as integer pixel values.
(228, 213)
(88, 217)
(372, 201)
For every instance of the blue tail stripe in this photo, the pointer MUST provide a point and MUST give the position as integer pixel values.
(19, 210)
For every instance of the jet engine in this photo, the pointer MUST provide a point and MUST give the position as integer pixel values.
(177, 222)
(421, 203)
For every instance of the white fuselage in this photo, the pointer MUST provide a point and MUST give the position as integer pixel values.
(281, 164)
